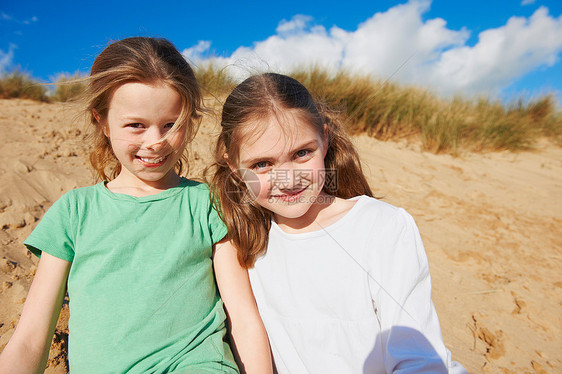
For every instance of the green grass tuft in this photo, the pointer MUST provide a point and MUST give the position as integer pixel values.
(386, 110)
(69, 87)
(214, 81)
(18, 84)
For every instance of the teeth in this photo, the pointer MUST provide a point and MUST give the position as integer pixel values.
(152, 160)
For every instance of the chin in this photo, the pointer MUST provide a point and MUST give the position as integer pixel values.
(288, 212)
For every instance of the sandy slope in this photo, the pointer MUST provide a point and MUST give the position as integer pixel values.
(491, 224)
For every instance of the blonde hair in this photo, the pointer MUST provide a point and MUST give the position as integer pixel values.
(255, 99)
(143, 60)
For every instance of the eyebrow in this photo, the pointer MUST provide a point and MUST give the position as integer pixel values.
(251, 161)
(136, 118)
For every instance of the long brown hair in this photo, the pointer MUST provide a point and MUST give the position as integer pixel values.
(258, 98)
(144, 60)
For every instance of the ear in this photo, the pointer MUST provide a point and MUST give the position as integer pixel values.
(229, 163)
(104, 128)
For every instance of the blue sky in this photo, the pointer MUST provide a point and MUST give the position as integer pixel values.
(500, 48)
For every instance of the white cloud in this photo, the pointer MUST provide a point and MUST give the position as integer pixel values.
(6, 58)
(387, 40)
(31, 20)
(401, 45)
(501, 55)
(296, 24)
(196, 53)
(527, 2)
(298, 46)
(7, 17)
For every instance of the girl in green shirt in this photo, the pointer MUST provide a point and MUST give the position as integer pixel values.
(137, 250)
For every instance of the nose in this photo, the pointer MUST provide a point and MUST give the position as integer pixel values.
(153, 138)
(286, 177)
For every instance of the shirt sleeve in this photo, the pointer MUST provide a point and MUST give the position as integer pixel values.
(401, 293)
(216, 226)
(54, 233)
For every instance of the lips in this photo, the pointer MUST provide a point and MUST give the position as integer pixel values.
(290, 197)
(152, 162)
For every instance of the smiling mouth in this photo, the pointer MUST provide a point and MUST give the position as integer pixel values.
(289, 197)
(152, 162)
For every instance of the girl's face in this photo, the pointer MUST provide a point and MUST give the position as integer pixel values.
(283, 166)
(139, 116)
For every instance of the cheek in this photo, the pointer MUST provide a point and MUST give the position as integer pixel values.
(315, 170)
(255, 183)
(124, 144)
(133, 147)
(176, 141)
(264, 185)
(315, 173)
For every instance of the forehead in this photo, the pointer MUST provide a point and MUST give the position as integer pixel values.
(275, 135)
(283, 124)
(145, 97)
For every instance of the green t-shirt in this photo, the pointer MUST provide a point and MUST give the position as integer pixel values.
(142, 293)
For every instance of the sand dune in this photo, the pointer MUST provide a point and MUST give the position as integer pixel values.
(491, 224)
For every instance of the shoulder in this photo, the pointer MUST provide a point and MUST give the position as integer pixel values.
(390, 232)
(379, 214)
(77, 195)
(194, 187)
(394, 240)
(198, 196)
(376, 206)
(202, 208)
(84, 191)
(197, 193)
(198, 187)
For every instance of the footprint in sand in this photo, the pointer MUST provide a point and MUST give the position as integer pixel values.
(538, 368)
(9, 265)
(519, 303)
(495, 348)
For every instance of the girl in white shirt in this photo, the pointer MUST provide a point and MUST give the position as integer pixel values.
(341, 279)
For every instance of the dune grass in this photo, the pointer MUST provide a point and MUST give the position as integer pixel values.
(68, 87)
(384, 110)
(18, 84)
(21, 85)
(214, 81)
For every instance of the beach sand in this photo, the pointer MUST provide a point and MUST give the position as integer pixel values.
(491, 225)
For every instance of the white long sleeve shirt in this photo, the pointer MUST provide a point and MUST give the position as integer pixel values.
(353, 297)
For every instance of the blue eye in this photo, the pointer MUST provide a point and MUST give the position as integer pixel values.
(169, 125)
(302, 153)
(260, 165)
(135, 125)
